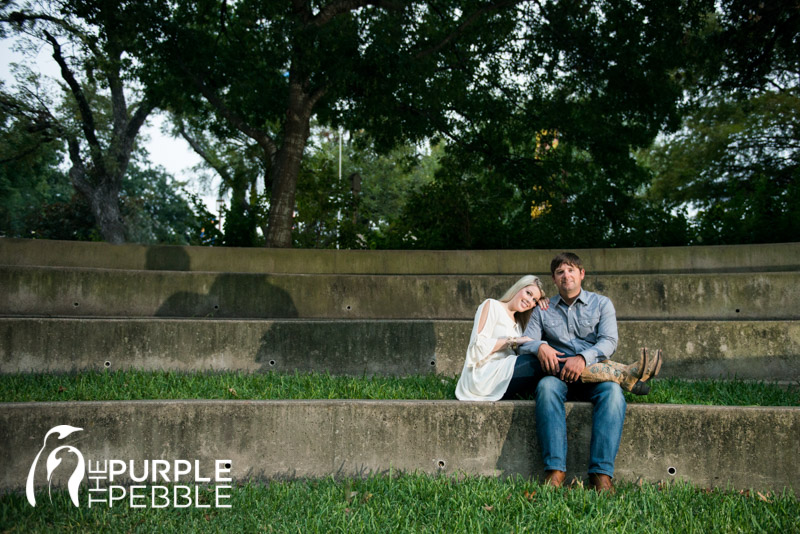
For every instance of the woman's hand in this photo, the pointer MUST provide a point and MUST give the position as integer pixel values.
(543, 303)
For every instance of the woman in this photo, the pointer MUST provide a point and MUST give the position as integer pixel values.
(488, 372)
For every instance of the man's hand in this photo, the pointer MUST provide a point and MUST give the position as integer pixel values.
(549, 358)
(573, 367)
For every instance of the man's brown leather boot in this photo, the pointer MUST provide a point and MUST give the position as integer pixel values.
(601, 483)
(554, 478)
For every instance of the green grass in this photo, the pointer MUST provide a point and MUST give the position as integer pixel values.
(140, 385)
(422, 503)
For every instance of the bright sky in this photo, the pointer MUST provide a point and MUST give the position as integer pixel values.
(173, 154)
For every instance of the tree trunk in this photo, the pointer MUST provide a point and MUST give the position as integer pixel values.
(286, 170)
(105, 207)
(103, 196)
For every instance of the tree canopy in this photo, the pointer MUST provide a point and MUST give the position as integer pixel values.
(544, 113)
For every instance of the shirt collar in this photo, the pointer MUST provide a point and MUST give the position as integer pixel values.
(580, 298)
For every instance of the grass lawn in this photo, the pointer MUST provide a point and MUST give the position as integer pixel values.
(140, 385)
(423, 503)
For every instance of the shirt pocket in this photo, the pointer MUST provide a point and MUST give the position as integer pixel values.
(555, 327)
(587, 326)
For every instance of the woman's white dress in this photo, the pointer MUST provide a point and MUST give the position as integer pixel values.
(486, 375)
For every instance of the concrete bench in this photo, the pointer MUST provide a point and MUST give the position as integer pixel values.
(705, 445)
(757, 350)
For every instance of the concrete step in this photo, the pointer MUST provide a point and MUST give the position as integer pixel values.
(739, 447)
(61, 291)
(756, 350)
(739, 258)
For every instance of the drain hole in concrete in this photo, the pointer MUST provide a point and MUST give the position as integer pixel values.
(107, 364)
(216, 306)
(227, 465)
(671, 471)
(75, 304)
(440, 464)
(348, 308)
(272, 363)
(737, 310)
(433, 363)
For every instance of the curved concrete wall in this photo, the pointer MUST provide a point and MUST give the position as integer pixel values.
(716, 311)
(708, 446)
(756, 350)
(116, 293)
(738, 258)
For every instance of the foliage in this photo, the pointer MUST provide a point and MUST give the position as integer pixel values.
(546, 159)
(207, 231)
(738, 163)
(736, 159)
(29, 174)
(37, 199)
(359, 210)
(339, 60)
(542, 106)
(154, 209)
(579, 204)
(237, 163)
(90, 42)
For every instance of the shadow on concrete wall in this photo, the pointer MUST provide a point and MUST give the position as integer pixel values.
(353, 348)
(521, 454)
(167, 258)
(230, 295)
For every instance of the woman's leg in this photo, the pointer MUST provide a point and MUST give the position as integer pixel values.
(527, 372)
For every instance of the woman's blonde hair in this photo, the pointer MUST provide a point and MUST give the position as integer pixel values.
(525, 281)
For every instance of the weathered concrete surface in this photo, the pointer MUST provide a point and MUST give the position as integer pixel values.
(103, 292)
(739, 258)
(708, 446)
(756, 350)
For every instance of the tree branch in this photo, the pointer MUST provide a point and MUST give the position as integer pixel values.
(464, 26)
(201, 151)
(77, 173)
(259, 136)
(344, 6)
(87, 117)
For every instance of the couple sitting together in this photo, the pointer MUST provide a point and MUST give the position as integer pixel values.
(559, 350)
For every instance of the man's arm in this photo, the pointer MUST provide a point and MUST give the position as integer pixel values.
(547, 355)
(607, 335)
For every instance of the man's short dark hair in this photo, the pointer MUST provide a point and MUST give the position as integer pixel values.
(565, 257)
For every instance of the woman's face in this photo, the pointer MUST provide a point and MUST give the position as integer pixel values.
(525, 299)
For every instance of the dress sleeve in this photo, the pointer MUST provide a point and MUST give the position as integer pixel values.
(481, 342)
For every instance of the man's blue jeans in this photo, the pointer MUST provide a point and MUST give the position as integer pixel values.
(608, 415)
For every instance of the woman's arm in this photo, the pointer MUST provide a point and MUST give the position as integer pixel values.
(482, 345)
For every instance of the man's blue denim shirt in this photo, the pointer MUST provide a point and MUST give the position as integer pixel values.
(588, 327)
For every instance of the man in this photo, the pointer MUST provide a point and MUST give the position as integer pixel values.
(578, 329)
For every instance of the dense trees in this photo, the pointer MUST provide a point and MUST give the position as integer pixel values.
(538, 118)
(264, 69)
(91, 43)
(736, 159)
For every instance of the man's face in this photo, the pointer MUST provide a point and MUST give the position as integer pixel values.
(568, 279)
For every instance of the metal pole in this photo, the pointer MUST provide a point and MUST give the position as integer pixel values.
(339, 211)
